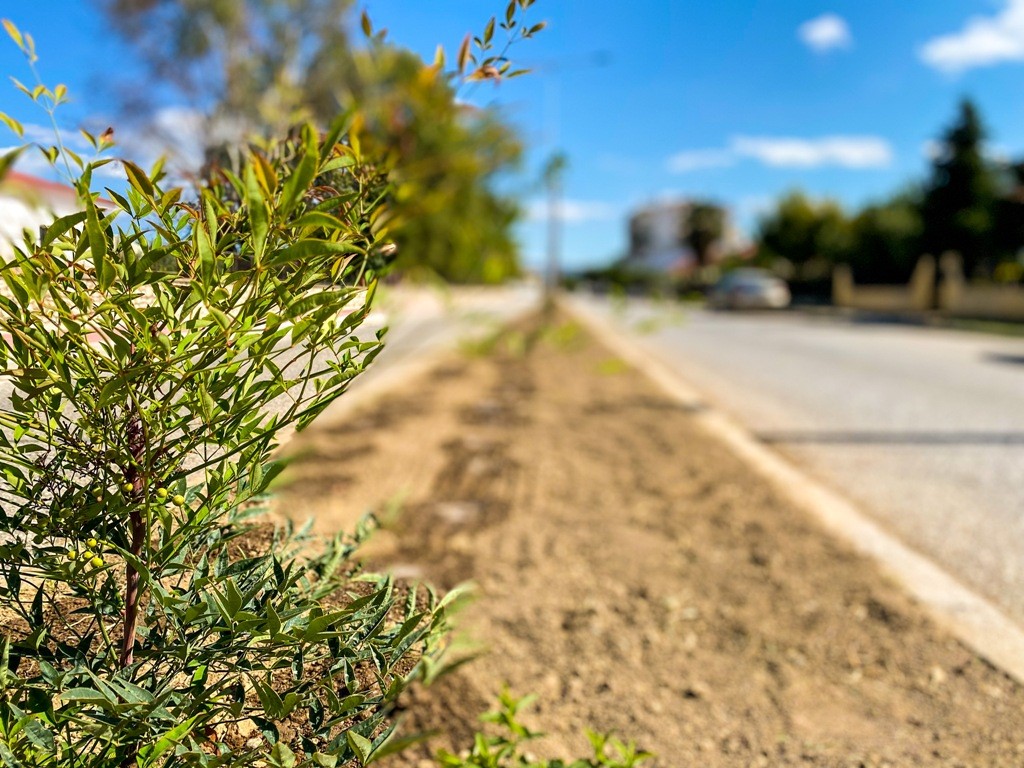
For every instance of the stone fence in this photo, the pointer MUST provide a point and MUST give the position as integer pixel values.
(917, 296)
(958, 297)
(953, 295)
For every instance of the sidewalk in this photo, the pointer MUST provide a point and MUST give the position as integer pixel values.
(639, 577)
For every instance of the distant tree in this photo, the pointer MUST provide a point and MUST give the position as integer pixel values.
(446, 157)
(1010, 214)
(252, 67)
(886, 240)
(705, 226)
(809, 235)
(246, 66)
(959, 206)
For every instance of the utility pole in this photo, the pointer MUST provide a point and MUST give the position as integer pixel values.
(553, 172)
(554, 169)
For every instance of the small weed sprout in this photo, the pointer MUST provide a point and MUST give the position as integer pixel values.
(505, 749)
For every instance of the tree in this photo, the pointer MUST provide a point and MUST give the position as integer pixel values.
(887, 240)
(807, 234)
(705, 226)
(958, 211)
(449, 221)
(1010, 214)
(247, 66)
(252, 67)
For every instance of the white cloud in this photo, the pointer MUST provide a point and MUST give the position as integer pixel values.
(933, 150)
(841, 151)
(31, 161)
(857, 152)
(825, 33)
(175, 132)
(573, 211)
(983, 41)
(699, 159)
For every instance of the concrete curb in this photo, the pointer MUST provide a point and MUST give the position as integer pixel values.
(971, 618)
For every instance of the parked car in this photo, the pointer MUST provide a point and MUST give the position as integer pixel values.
(749, 289)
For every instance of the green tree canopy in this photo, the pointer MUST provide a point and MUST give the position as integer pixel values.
(253, 67)
(887, 240)
(958, 210)
(705, 228)
(805, 233)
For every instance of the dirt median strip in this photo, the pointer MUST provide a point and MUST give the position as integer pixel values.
(637, 575)
(968, 615)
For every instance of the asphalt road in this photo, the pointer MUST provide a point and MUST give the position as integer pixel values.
(923, 428)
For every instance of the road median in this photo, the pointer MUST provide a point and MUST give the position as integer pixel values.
(637, 574)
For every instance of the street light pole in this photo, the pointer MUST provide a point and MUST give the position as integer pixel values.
(554, 169)
(553, 172)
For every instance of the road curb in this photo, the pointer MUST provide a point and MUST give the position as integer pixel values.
(974, 620)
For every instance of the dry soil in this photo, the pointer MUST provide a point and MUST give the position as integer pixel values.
(638, 577)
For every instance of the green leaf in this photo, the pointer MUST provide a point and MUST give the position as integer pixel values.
(281, 756)
(361, 745)
(13, 124)
(139, 180)
(98, 246)
(205, 251)
(269, 699)
(305, 250)
(259, 218)
(296, 185)
(320, 219)
(62, 225)
(392, 745)
(36, 732)
(8, 160)
(150, 753)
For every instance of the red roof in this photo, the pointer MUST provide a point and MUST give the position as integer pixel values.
(50, 190)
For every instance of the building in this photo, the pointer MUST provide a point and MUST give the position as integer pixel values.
(28, 202)
(659, 234)
(657, 238)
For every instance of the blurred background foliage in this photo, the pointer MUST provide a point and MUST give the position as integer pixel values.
(250, 69)
(971, 203)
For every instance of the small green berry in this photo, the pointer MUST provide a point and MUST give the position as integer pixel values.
(91, 543)
(161, 492)
(97, 561)
(72, 554)
(179, 500)
(127, 487)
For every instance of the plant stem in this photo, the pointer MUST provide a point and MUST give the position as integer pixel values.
(131, 592)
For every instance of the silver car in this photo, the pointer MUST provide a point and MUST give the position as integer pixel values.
(749, 289)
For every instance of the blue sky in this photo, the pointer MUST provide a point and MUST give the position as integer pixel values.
(735, 100)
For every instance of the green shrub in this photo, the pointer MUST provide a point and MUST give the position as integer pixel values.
(506, 748)
(154, 350)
